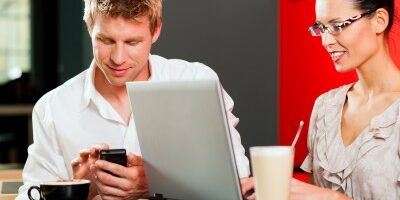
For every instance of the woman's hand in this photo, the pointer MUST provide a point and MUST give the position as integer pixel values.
(304, 191)
(247, 185)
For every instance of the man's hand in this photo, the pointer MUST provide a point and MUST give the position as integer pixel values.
(81, 165)
(304, 191)
(87, 157)
(247, 185)
(128, 183)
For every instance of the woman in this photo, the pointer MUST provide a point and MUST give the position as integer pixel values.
(354, 132)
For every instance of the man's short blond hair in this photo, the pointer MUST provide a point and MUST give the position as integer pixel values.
(128, 9)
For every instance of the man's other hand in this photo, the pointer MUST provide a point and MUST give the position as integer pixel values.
(114, 181)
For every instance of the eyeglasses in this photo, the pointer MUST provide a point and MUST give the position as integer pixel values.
(335, 28)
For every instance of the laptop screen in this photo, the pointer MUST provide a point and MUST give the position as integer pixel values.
(184, 139)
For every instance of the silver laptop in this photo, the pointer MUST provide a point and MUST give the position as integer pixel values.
(185, 140)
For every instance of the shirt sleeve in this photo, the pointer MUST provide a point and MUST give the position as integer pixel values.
(45, 161)
(307, 164)
(242, 162)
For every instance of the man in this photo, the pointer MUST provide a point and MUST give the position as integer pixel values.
(91, 111)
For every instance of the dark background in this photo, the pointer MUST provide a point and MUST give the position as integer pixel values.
(238, 39)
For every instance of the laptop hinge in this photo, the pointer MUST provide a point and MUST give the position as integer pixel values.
(158, 196)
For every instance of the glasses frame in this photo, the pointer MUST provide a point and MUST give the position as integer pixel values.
(335, 28)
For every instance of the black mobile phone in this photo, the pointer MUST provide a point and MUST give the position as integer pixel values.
(117, 156)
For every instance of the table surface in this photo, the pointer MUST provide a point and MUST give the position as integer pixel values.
(8, 196)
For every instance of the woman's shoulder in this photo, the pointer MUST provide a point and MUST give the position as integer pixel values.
(334, 96)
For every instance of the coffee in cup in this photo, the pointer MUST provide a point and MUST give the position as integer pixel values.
(76, 189)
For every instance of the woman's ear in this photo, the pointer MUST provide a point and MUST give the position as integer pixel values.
(381, 20)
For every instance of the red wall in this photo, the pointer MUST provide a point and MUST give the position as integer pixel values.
(306, 70)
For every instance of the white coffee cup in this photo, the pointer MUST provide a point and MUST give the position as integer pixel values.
(272, 170)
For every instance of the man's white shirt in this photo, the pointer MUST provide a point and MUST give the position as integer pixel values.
(74, 116)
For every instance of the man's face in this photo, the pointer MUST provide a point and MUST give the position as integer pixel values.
(121, 48)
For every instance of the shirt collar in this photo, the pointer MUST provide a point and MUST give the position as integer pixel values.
(152, 63)
(90, 91)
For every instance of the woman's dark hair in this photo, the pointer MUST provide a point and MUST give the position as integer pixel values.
(366, 5)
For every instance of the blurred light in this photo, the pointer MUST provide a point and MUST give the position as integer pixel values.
(14, 73)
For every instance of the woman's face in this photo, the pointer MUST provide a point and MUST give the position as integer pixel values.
(357, 42)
